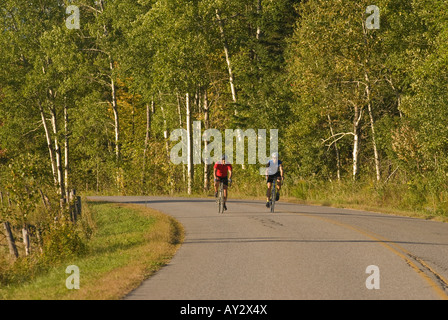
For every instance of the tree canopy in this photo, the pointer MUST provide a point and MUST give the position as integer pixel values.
(94, 107)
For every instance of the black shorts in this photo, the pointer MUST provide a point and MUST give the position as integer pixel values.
(273, 177)
(224, 180)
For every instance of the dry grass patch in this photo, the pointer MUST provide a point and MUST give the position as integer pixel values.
(130, 243)
(161, 243)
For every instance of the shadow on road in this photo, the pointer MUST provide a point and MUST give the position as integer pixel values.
(286, 240)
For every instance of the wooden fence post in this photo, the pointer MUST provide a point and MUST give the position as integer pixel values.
(26, 240)
(10, 238)
(75, 205)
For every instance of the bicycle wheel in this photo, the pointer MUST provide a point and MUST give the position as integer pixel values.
(273, 195)
(221, 198)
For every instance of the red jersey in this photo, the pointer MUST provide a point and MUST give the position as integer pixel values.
(222, 169)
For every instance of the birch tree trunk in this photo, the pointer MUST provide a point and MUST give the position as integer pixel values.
(259, 11)
(48, 137)
(229, 65)
(147, 136)
(367, 41)
(57, 150)
(179, 111)
(167, 144)
(372, 126)
(49, 145)
(66, 151)
(115, 110)
(116, 124)
(356, 129)
(189, 147)
(207, 126)
(226, 51)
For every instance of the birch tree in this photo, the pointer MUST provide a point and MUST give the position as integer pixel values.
(52, 74)
(347, 59)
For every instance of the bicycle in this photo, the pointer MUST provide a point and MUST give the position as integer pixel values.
(273, 195)
(220, 199)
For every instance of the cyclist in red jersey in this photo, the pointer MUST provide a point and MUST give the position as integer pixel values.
(222, 172)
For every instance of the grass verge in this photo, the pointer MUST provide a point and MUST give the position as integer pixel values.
(387, 198)
(130, 243)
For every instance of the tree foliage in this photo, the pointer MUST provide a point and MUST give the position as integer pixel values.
(349, 102)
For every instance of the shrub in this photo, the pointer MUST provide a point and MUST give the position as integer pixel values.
(63, 241)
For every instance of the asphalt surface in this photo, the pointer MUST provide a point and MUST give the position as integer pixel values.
(299, 252)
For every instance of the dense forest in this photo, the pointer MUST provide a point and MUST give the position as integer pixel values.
(89, 97)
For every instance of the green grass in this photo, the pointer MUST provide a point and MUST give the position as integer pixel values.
(129, 244)
(390, 198)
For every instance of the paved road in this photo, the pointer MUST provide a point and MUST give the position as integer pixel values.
(299, 252)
